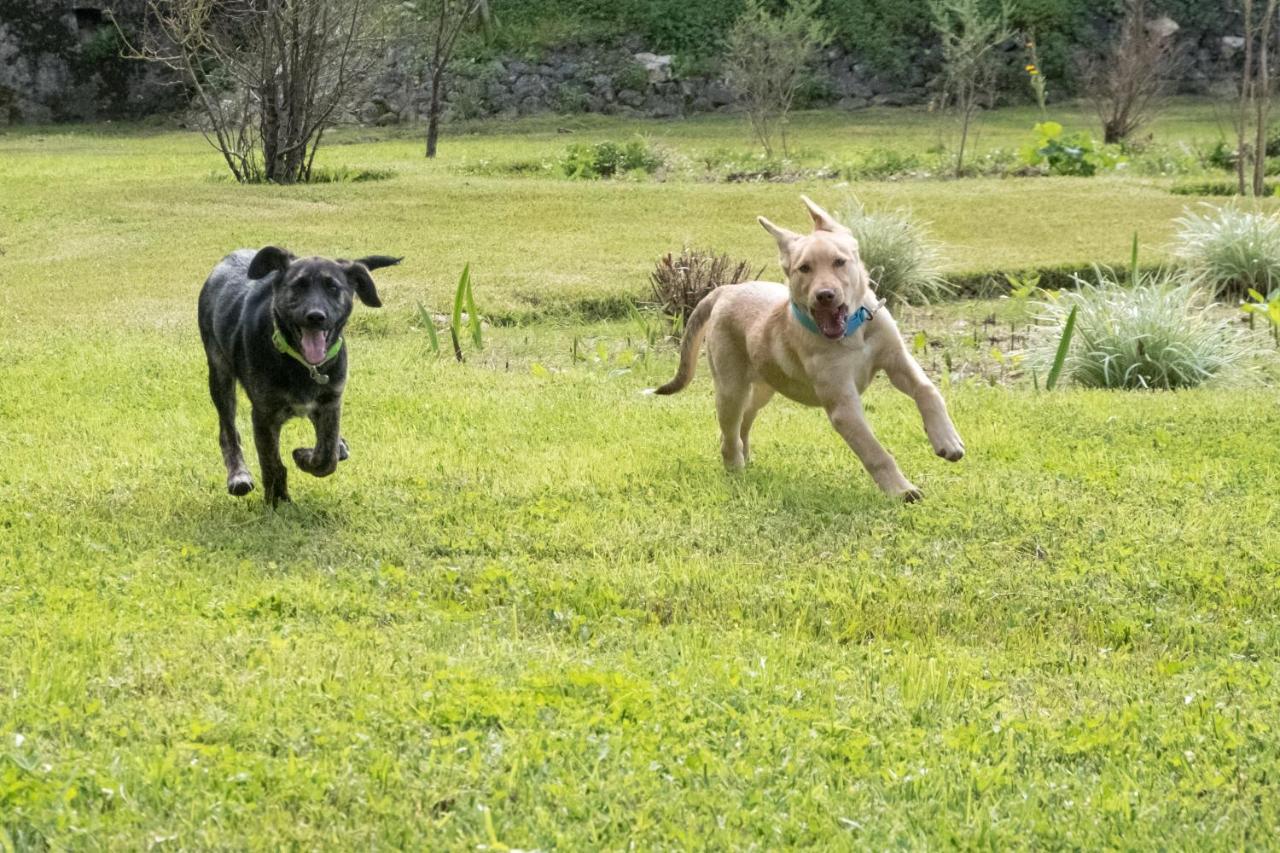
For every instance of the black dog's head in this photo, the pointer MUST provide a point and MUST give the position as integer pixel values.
(312, 297)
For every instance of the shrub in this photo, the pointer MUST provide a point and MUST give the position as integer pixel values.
(609, 159)
(1128, 82)
(997, 163)
(879, 163)
(1068, 154)
(1157, 334)
(1154, 159)
(632, 75)
(680, 282)
(767, 61)
(1221, 156)
(1230, 251)
(905, 263)
(970, 38)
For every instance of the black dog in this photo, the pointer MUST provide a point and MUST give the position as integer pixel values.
(274, 323)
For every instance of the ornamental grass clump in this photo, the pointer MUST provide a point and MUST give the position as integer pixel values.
(1160, 333)
(1230, 251)
(904, 262)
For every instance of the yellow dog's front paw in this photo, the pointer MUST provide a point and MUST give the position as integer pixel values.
(908, 494)
(948, 446)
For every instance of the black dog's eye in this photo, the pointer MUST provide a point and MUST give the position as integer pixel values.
(839, 262)
(805, 268)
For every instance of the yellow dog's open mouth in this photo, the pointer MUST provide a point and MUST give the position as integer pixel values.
(831, 321)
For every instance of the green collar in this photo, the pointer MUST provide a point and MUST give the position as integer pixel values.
(283, 346)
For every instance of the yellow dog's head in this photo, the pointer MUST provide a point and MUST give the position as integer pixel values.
(823, 269)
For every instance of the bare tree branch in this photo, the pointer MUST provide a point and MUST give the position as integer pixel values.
(269, 76)
(437, 25)
(1128, 83)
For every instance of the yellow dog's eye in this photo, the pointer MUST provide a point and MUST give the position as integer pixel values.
(805, 268)
(839, 262)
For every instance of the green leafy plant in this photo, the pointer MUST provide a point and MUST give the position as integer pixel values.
(1064, 346)
(904, 262)
(1221, 156)
(1158, 333)
(429, 325)
(1268, 307)
(1230, 251)
(880, 163)
(1069, 154)
(1021, 289)
(609, 159)
(650, 332)
(463, 298)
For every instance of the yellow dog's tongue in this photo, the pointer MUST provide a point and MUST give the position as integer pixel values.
(831, 322)
(313, 345)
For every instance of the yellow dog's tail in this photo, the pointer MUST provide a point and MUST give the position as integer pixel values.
(694, 332)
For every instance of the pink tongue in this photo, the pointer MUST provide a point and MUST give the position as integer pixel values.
(832, 323)
(313, 348)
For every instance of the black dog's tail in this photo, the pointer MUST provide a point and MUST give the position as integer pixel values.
(694, 331)
(377, 262)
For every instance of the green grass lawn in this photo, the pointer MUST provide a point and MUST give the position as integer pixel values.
(531, 611)
(155, 208)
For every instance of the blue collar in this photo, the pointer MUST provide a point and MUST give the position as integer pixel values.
(854, 323)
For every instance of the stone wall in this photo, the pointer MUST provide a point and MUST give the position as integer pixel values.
(627, 80)
(622, 80)
(60, 61)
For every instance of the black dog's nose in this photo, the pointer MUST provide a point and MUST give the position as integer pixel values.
(826, 296)
(315, 316)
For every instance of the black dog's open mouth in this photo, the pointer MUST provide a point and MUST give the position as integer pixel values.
(314, 344)
(831, 321)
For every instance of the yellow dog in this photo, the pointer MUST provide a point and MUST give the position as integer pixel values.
(820, 340)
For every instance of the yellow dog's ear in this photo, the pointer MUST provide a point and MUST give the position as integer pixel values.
(786, 239)
(823, 221)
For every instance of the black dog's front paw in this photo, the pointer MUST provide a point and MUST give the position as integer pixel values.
(240, 484)
(304, 458)
(344, 453)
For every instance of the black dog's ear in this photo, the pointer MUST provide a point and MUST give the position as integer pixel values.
(377, 262)
(268, 260)
(358, 274)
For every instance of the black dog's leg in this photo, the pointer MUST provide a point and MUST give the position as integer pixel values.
(222, 388)
(344, 452)
(322, 460)
(266, 436)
